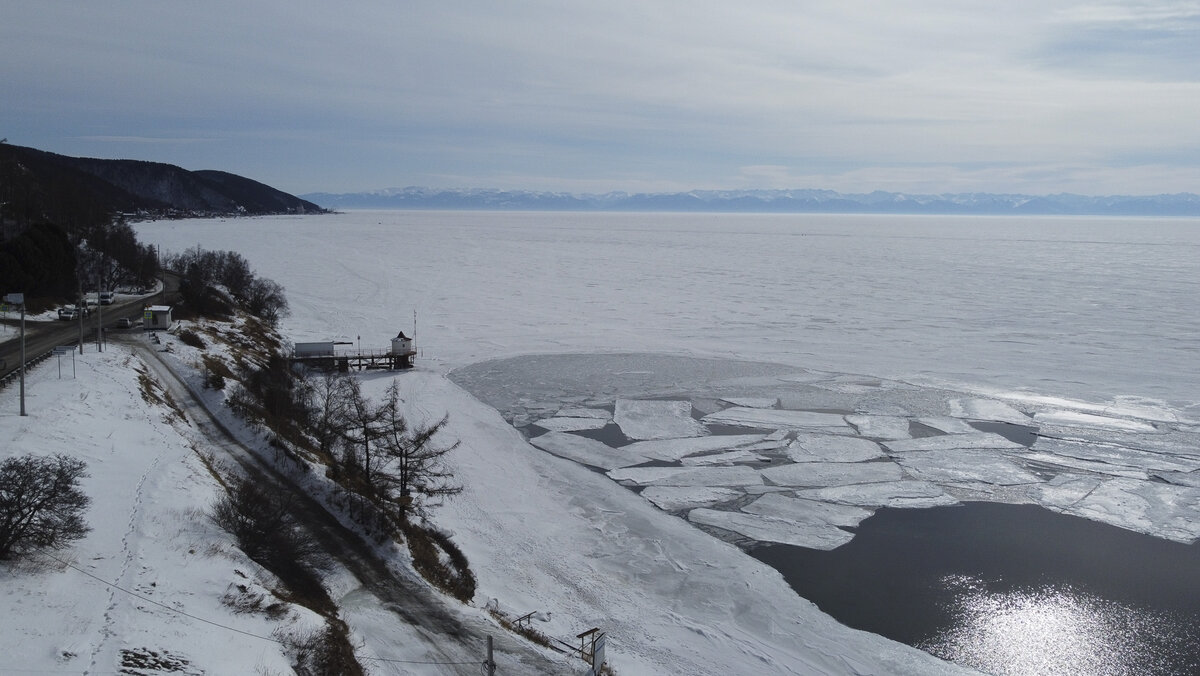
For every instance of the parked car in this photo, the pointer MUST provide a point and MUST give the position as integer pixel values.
(67, 313)
(106, 297)
(124, 323)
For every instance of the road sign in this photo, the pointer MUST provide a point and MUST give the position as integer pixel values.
(63, 349)
(15, 298)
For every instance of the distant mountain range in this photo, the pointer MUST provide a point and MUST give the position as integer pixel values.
(38, 185)
(767, 201)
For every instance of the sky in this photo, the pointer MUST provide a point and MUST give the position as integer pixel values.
(934, 96)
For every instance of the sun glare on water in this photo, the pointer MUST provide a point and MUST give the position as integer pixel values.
(1052, 630)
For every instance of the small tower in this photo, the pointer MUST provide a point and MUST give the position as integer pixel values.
(402, 351)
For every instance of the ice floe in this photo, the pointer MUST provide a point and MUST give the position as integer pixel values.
(812, 474)
(952, 442)
(880, 426)
(584, 413)
(1163, 510)
(800, 510)
(674, 498)
(1117, 455)
(586, 451)
(653, 419)
(987, 409)
(726, 458)
(752, 402)
(813, 447)
(737, 475)
(563, 424)
(904, 493)
(774, 418)
(768, 529)
(965, 465)
(674, 449)
(1085, 465)
(1078, 419)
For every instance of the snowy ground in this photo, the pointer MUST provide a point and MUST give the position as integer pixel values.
(151, 575)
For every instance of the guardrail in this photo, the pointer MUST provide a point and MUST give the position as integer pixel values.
(15, 374)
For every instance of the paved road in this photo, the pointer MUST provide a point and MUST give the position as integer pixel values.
(450, 635)
(41, 337)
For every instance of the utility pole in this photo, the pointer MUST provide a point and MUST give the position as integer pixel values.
(19, 298)
(490, 664)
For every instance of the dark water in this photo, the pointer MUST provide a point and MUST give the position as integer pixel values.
(1011, 589)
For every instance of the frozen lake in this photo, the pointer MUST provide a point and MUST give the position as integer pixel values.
(779, 378)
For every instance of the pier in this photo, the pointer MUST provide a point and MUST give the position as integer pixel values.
(329, 357)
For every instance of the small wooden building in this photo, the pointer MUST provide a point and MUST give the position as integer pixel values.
(156, 317)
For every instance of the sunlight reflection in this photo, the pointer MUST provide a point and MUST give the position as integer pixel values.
(1051, 630)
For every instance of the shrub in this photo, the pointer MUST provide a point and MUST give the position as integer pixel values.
(40, 503)
(190, 337)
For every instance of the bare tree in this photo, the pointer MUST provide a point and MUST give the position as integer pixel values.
(415, 472)
(327, 397)
(40, 503)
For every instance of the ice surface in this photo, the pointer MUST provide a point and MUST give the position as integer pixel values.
(1162, 510)
(674, 449)
(752, 402)
(813, 447)
(578, 412)
(965, 465)
(904, 493)
(1086, 465)
(880, 426)
(586, 451)
(674, 498)
(987, 410)
(1181, 478)
(1063, 491)
(807, 474)
(647, 419)
(768, 529)
(951, 442)
(799, 510)
(774, 418)
(688, 476)
(1117, 455)
(727, 458)
(564, 424)
(1078, 419)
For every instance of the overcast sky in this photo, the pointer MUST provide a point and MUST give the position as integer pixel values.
(1033, 96)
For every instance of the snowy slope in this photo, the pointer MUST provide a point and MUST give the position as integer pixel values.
(149, 537)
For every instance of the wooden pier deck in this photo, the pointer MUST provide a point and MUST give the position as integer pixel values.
(359, 360)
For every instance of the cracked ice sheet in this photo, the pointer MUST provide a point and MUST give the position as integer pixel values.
(563, 424)
(951, 442)
(988, 409)
(586, 451)
(813, 474)
(584, 413)
(1087, 465)
(904, 493)
(728, 458)
(767, 529)
(674, 449)
(880, 426)
(1117, 455)
(813, 447)
(652, 419)
(774, 418)
(752, 402)
(674, 498)
(1077, 419)
(960, 466)
(798, 510)
(1162, 510)
(947, 424)
(688, 476)
(1063, 491)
